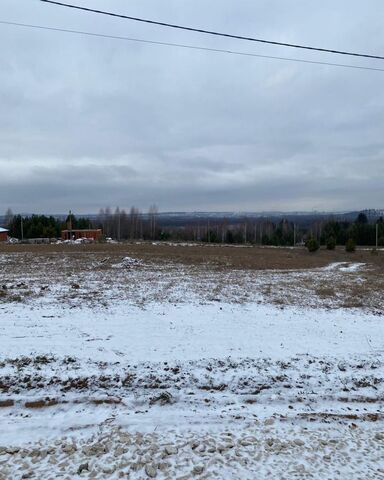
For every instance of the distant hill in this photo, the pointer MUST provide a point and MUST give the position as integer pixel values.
(302, 218)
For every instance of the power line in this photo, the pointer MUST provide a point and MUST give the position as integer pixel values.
(211, 32)
(191, 47)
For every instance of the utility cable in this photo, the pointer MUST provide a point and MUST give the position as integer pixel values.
(191, 47)
(211, 32)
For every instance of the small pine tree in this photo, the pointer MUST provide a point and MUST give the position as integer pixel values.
(350, 246)
(313, 245)
(331, 243)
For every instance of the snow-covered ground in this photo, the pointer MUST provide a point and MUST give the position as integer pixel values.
(78, 279)
(188, 383)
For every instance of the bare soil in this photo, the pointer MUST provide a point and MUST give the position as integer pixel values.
(97, 275)
(226, 256)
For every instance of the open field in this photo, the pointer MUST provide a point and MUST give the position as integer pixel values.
(238, 256)
(175, 361)
(79, 274)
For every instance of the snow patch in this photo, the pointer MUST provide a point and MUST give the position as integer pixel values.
(343, 267)
(128, 262)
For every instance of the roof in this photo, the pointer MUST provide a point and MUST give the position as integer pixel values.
(3, 230)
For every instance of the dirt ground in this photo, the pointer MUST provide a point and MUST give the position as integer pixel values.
(79, 274)
(232, 257)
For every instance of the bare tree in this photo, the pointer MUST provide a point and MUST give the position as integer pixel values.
(8, 217)
(117, 224)
(134, 223)
(124, 224)
(152, 214)
(108, 221)
(101, 219)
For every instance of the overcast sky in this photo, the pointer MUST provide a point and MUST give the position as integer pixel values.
(89, 122)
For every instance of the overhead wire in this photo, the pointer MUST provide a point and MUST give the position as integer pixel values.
(186, 46)
(212, 32)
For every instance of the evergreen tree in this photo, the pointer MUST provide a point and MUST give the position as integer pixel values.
(350, 245)
(313, 245)
(331, 243)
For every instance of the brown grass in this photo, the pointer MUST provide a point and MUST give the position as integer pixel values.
(242, 257)
(325, 292)
(367, 417)
(41, 403)
(217, 270)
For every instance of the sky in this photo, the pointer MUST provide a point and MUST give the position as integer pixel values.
(89, 122)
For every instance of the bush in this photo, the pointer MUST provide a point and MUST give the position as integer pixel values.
(313, 245)
(350, 246)
(331, 243)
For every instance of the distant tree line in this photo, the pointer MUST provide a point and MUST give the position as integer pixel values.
(41, 226)
(146, 226)
(360, 231)
(133, 225)
(136, 225)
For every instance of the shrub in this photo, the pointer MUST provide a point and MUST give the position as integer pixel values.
(313, 245)
(350, 246)
(331, 243)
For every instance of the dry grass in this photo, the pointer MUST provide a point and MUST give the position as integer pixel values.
(85, 274)
(325, 292)
(242, 257)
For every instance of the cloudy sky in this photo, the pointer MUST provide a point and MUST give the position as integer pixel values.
(87, 122)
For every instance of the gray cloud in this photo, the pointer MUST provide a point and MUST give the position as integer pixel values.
(86, 122)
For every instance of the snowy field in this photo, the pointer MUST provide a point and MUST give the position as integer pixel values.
(130, 368)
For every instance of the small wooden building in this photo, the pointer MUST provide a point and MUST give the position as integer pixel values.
(3, 234)
(75, 234)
